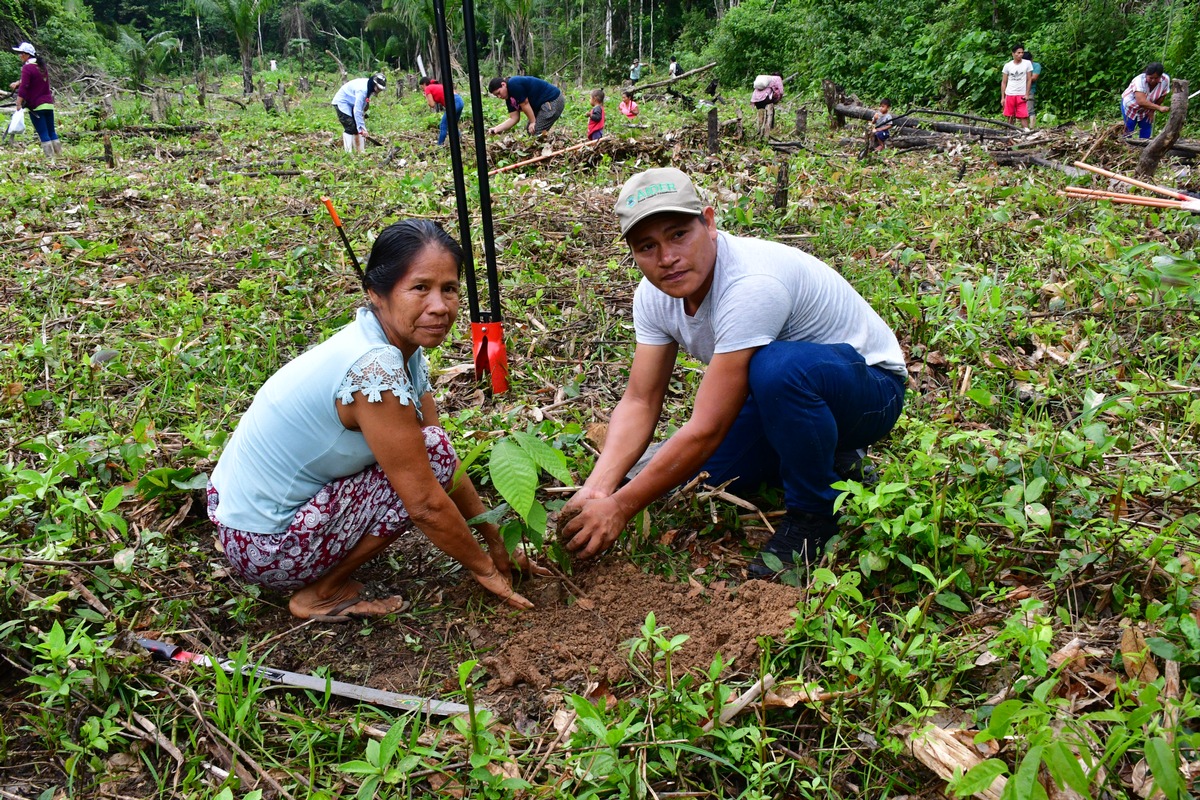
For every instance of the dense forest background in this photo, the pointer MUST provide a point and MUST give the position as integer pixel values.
(918, 52)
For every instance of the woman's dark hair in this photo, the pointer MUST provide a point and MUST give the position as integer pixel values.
(39, 61)
(494, 84)
(393, 252)
(1154, 68)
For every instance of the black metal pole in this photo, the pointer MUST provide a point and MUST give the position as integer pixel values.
(460, 186)
(481, 164)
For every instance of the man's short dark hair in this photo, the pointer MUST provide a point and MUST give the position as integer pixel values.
(1154, 68)
(494, 84)
(1017, 46)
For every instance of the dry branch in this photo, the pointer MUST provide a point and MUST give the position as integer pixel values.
(536, 159)
(1158, 147)
(668, 81)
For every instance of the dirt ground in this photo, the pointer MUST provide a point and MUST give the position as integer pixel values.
(564, 644)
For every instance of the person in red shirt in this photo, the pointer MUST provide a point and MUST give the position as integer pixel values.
(33, 93)
(435, 96)
(596, 115)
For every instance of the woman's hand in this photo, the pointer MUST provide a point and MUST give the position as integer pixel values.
(498, 584)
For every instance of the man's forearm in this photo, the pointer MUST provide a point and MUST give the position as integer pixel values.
(680, 458)
(629, 433)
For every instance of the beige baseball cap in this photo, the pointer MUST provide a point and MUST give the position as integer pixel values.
(656, 191)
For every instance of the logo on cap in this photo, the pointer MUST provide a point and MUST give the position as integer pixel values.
(647, 192)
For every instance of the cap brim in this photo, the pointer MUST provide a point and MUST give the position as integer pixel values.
(691, 212)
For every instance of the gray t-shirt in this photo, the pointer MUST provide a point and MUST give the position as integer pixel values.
(764, 292)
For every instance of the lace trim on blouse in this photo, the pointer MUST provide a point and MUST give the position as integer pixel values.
(381, 370)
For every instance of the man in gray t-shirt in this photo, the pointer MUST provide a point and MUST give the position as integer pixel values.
(800, 369)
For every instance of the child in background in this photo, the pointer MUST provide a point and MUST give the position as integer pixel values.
(596, 115)
(628, 106)
(883, 124)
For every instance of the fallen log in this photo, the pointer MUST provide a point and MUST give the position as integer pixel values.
(1183, 148)
(1008, 159)
(679, 77)
(863, 112)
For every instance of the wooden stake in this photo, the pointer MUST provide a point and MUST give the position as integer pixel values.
(536, 159)
(1133, 182)
(713, 143)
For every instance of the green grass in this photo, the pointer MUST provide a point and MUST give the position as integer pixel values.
(1040, 487)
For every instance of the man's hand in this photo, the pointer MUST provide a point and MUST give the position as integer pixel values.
(530, 128)
(595, 528)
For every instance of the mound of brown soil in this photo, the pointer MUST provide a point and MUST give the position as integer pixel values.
(565, 639)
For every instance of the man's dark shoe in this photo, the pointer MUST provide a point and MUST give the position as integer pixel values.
(852, 465)
(800, 536)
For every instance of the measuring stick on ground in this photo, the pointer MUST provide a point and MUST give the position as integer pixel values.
(1174, 195)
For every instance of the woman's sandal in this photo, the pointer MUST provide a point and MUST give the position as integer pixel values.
(337, 615)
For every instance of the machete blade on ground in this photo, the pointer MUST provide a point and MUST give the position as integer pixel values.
(378, 697)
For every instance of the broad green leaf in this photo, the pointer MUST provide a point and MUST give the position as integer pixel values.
(514, 474)
(1160, 757)
(197, 481)
(1034, 489)
(980, 777)
(492, 517)
(1163, 648)
(123, 560)
(1039, 515)
(545, 456)
(1065, 768)
(951, 601)
(1024, 783)
(113, 498)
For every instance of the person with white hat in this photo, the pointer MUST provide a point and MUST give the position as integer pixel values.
(350, 103)
(33, 94)
(802, 375)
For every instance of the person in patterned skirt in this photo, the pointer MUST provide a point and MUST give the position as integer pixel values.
(341, 453)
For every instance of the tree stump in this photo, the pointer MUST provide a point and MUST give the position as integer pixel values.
(833, 95)
(109, 158)
(781, 183)
(801, 122)
(713, 143)
(304, 85)
(1159, 145)
(281, 96)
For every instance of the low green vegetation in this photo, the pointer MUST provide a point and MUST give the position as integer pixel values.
(1021, 580)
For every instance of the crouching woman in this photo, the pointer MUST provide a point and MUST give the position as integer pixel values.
(341, 453)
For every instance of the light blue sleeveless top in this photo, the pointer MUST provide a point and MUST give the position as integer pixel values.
(291, 442)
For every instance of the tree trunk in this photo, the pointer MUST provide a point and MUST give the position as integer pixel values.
(247, 67)
(1159, 145)
(200, 39)
(713, 143)
(608, 37)
(641, 7)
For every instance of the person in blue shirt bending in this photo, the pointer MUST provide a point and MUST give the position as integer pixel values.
(542, 103)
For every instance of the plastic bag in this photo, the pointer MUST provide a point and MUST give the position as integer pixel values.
(17, 123)
(762, 82)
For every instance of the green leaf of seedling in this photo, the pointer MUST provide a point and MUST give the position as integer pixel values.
(1039, 515)
(358, 768)
(514, 474)
(1160, 757)
(1065, 768)
(982, 397)
(113, 498)
(1025, 782)
(492, 517)
(980, 777)
(1190, 631)
(545, 456)
(123, 560)
(464, 673)
(772, 561)
(197, 481)
(951, 601)
(1034, 489)
(1164, 649)
(391, 741)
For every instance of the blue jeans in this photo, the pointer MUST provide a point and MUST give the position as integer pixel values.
(444, 129)
(1144, 126)
(807, 401)
(43, 123)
